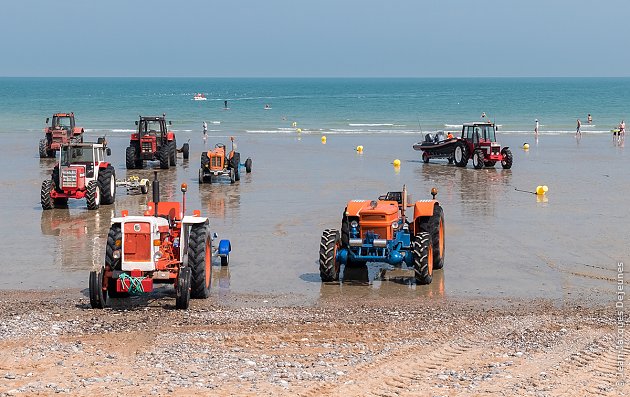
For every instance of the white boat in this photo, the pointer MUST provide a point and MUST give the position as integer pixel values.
(199, 97)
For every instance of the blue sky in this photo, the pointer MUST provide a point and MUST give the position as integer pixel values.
(322, 38)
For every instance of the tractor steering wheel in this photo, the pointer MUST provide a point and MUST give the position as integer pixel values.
(220, 145)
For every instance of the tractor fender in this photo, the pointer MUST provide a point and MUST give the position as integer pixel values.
(504, 147)
(103, 164)
(78, 130)
(423, 208)
(135, 136)
(189, 220)
(355, 206)
(224, 247)
(170, 135)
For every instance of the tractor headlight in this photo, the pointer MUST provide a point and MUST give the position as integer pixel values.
(158, 255)
(116, 254)
(395, 225)
(354, 223)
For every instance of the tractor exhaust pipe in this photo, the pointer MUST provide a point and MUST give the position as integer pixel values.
(156, 192)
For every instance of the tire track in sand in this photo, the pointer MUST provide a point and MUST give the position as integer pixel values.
(401, 369)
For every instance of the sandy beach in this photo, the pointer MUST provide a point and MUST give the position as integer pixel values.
(525, 304)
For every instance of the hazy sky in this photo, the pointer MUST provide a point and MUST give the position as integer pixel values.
(320, 38)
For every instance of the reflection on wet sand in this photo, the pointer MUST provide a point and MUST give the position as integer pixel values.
(386, 282)
(478, 190)
(220, 200)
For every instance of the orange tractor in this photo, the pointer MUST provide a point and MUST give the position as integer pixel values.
(386, 230)
(164, 246)
(62, 131)
(219, 163)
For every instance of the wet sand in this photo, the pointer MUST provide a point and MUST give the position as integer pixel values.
(500, 242)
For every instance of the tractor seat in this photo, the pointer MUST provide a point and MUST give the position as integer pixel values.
(153, 132)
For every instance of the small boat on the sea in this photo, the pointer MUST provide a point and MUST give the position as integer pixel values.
(436, 146)
(199, 97)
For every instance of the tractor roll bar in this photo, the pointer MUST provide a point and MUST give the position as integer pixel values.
(156, 192)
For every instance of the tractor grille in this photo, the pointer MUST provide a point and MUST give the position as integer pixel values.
(215, 162)
(147, 147)
(69, 178)
(495, 150)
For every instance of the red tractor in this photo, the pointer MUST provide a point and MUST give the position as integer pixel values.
(164, 246)
(478, 141)
(62, 131)
(218, 162)
(81, 172)
(153, 141)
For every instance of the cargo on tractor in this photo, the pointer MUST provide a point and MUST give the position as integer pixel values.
(81, 172)
(218, 162)
(164, 246)
(153, 141)
(388, 230)
(478, 142)
(62, 131)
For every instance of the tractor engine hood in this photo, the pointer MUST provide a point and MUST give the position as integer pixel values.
(377, 217)
(138, 250)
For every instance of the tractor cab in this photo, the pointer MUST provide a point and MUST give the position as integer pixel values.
(82, 156)
(481, 135)
(63, 121)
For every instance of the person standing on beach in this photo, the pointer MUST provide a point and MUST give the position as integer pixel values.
(483, 116)
(225, 104)
(578, 132)
(536, 128)
(622, 129)
(205, 129)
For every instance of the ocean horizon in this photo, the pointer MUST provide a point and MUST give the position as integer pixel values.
(110, 105)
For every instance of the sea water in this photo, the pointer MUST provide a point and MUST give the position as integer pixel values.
(332, 106)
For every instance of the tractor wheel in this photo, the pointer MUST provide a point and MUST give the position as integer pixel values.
(232, 175)
(201, 176)
(425, 157)
(42, 148)
(328, 265)
(130, 158)
(164, 155)
(186, 151)
(98, 297)
(248, 165)
(200, 260)
(438, 236)
(144, 188)
(477, 159)
(422, 250)
(345, 230)
(460, 154)
(237, 175)
(46, 199)
(506, 163)
(182, 290)
(205, 160)
(173, 153)
(107, 184)
(93, 195)
(225, 260)
(114, 243)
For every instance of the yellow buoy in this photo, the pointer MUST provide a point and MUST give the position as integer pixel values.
(299, 130)
(324, 139)
(396, 163)
(541, 190)
(526, 146)
(360, 149)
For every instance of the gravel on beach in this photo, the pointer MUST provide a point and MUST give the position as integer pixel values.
(51, 342)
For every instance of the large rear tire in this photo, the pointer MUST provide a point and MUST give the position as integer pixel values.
(328, 265)
(200, 260)
(186, 151)
(42, 148)
(506, 163)
(425, 157)
(114, 243)
(173, 153)
(435, 227)
(93, 195)
(130, 157)
(422, 251)
(164, 155)
(45, 198)
(460, 154)
(232, 175)
(477, 159)
(182, 290)
(248, 165)
(107, 184)
(98, 297)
